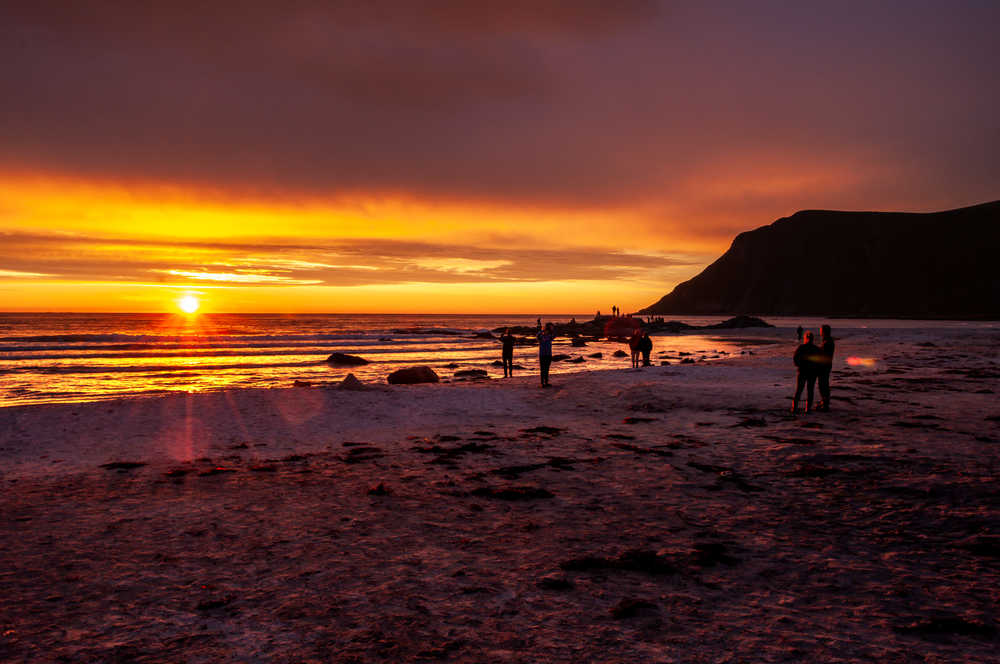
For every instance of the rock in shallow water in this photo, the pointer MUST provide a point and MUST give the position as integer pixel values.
(345, 360)
(412, 375)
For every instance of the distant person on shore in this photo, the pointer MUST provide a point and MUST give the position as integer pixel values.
(806, 358)
(645, 347)
(825, 366)
(545, 338)
(507, 353)
(798, 334)
(633, 344)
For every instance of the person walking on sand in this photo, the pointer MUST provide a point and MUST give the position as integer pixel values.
(824, 367)
(545, 338)
(507, 353)
(798, 334)
(806, 359)
(633, 344)
(645, 347)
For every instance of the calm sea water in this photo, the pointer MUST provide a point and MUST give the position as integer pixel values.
(87, 357)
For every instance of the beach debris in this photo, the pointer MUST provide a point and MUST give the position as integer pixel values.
(632, 608)
(944, 625)
(981, 545)
(514, 472)
(639, 420)
(642, 450)
(379, 490)
(664, 363)
(301, 383)
(559, 357)
(412, 375)
(633, 560)
(687, 360)
(213, 603)
(619, 353)
(351, 382)
(554, 581)
(362, 453)
(710, 554)
(577, 360)
(472, 373)
(123, 465)
(513, 493)
(217, 470)
(596, 356)
(345, 360)
(545, 430)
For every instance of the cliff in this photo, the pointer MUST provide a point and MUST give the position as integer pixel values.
(855, 264)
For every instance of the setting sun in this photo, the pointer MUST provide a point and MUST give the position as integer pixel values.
(188, 304)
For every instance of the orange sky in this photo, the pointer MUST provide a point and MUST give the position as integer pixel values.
(518, 157)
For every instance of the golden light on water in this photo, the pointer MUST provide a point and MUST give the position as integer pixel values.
(188, 304)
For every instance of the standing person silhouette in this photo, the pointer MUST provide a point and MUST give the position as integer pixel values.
(545, 338)
(824, 367)
(507, 353)
(806, 356)
(633, 344)
(645, 347)
(798, 334)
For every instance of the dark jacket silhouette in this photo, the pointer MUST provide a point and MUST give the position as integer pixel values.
(808, 359)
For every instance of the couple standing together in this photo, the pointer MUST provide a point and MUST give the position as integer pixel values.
(545, 337)
(814, 362)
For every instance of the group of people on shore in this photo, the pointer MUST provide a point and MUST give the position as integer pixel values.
(814, 365)
(639, 343)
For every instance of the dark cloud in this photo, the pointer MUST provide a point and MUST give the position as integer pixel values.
(346, 263)
(568, 103)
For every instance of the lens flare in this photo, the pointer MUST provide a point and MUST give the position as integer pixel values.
(188, 304)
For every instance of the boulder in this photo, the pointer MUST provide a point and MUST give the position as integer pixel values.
(619, 353)
(738, 322)
(345, 360)
(577, 360)
(412, 375)
(351, 382)
(578, 342)
(559, 357)
(596, 356)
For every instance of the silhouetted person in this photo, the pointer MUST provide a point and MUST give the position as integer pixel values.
(798, 334)
(633, 344)
(824, 367)
(545, 338)
(507, 353)
(806, 359)
(646, 347)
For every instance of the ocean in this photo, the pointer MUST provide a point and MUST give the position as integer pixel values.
(49, 358)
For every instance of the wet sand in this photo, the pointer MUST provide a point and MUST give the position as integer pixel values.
(667, 514)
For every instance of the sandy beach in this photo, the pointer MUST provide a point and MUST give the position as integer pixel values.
(669, 514)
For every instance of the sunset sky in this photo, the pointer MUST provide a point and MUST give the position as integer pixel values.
(448, 156)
